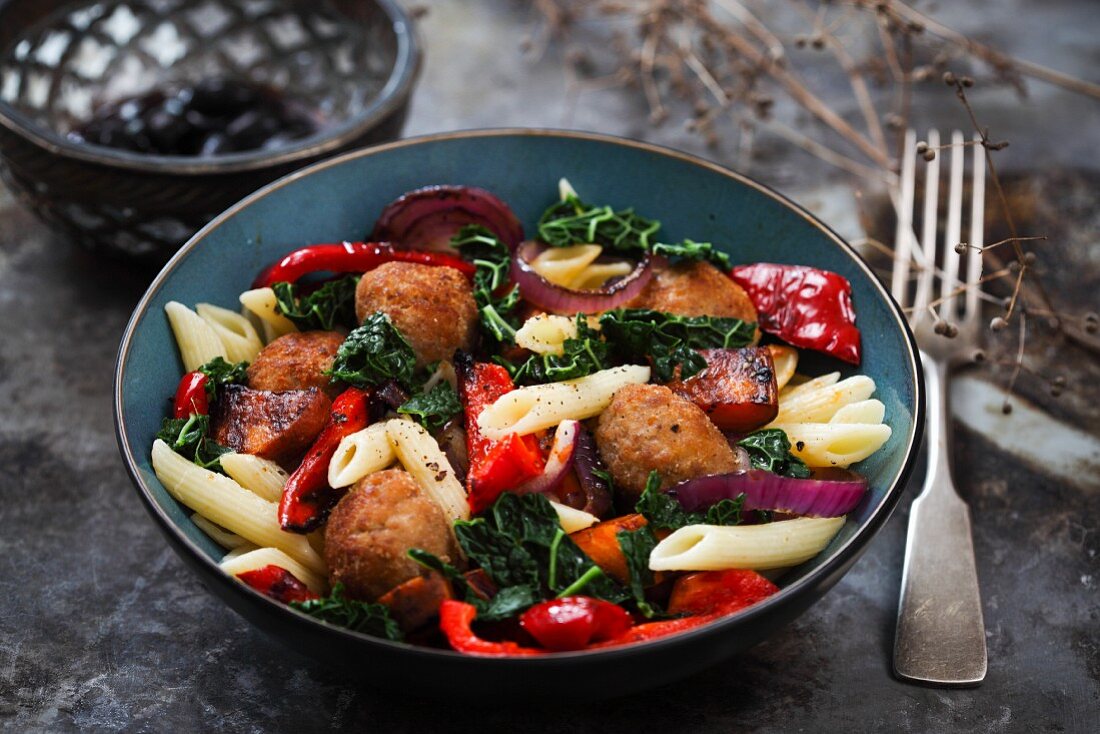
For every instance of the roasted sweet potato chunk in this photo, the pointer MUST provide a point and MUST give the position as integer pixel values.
(737, 390)
(275, 425)
(600, 543)
(413, 603)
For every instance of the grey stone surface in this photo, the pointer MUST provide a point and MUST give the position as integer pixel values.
(103, 629)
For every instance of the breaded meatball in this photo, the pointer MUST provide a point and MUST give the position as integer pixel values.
(432, 306)
(296, 361)
(372, 528)
(695, 289)
(649, 428)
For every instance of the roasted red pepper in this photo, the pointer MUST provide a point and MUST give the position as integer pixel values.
(804, 306)
(191, 396)
(350, 257)
(307, 496)
(455, 618)
(495, 466)
(572, 623)
(721, 592)
(278, 583)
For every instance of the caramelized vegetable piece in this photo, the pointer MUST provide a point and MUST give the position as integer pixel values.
(455, 618)
(573, 622)
(600, 543)
(721, 592)
(737, 390)
(278, 583)
(416, 601)
(275, 425)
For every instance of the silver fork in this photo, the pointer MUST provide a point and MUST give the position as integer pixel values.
(940, 632)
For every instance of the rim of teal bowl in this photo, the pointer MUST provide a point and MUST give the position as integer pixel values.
(837, 560)
(395, 92)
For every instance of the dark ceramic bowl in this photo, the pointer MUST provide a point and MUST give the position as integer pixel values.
(351, 64)
(340, 198)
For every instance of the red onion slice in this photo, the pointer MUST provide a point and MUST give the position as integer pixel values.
(427, 218)
(764, 490)
(586, 462)
(558, 464)
(557, 299)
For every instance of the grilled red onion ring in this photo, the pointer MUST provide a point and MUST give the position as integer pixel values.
(427, 218)
(556, 299)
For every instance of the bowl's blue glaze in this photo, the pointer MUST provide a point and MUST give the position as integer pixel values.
(339, 199)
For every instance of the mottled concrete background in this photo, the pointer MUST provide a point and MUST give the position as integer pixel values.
(102, 628)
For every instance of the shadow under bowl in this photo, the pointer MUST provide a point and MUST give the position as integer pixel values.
(340, 198)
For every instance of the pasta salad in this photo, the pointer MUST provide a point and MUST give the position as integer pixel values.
(457, 437)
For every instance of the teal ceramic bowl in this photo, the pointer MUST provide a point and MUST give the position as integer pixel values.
(340, 198)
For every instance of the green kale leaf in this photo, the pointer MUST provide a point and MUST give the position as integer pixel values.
(671, 341)
(358, 616)
(434, 408)
(581, 355)
(374, 353)
(636, 546)
(770, 450)
(663, 511)
(220, 373)
(692, 250)
(572, 222)
(331, 305)
(508, 602)
(520, 543)
(188, 438)
(493, 260)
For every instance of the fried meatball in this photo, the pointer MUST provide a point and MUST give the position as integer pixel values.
(432, 306)
(296, 361)
(372, 528)
(695, 289)
(649, 428)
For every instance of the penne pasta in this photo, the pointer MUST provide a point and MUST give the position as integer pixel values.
(219, 535)
(572, 519)
(535, 408)
(221, 500)
(834, 444)
(756, 547)
(237, 334)
(596, 274)
(197, 341)
(546, 333)
(359, 454)
(800, 383)
(239, 551)
(865, 411)
(261, 301)
(256, 474)
(258, 558)
(425, 461)
(563, 265)
(785, 360)
(818, 404)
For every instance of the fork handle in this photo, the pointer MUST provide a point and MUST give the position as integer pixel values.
(940, 632)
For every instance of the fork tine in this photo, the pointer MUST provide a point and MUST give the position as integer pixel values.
(903, 243)
(928, 231)
(953, 233)
(977, 232)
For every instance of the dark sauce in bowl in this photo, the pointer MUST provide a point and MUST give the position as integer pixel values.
(214, 116)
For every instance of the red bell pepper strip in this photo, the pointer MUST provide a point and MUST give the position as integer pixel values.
(278, 583)
(351, 257)
(571, 623)
(804, 306)
(722, 592)
(500, 465)
(307, 496)
(455, 618)
(191, 396)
